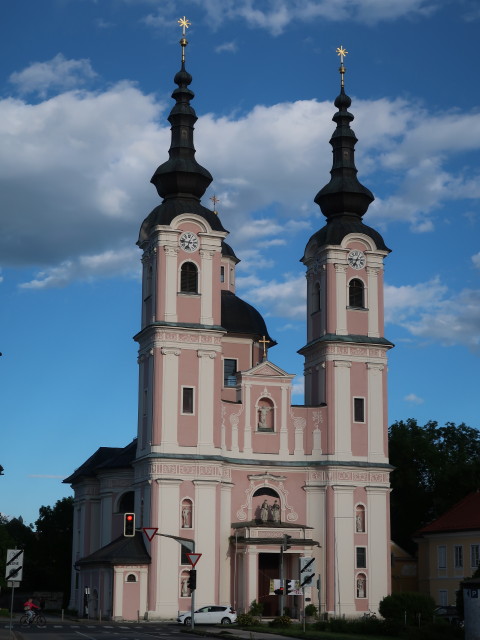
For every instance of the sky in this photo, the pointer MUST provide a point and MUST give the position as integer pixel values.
(85, 91)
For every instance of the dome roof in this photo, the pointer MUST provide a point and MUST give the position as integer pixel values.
(228, 252)
(240, 317)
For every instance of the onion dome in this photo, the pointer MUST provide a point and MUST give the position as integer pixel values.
(240, 317)
(344, 200)
(228, 252)
(181, 181)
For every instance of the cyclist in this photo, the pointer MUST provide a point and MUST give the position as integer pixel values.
(29, 606)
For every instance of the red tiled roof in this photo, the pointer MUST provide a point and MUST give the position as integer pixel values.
(463, 516)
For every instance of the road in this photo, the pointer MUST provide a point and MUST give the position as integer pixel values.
(70, 630)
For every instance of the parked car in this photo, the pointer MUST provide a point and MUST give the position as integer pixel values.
(449, 614)
(211, 614)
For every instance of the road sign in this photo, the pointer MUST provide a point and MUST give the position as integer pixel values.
(14, 566)
(150, 532)
(307, 571)
(193, 558)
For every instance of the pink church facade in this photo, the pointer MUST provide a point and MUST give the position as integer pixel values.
(221, 456)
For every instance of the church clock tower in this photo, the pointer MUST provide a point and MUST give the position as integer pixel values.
(346, 364)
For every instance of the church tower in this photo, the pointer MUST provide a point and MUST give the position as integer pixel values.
(346, 367)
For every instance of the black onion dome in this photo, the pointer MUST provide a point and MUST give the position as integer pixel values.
(228, 252)
(240, 317)
(181, 174)
(344, 194)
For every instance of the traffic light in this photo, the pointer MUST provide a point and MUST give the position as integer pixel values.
(129, 525)
(286, 540)
(289, 586)
(279, 592)
(192, 580)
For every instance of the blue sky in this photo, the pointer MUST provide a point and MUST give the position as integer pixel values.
(84, 95)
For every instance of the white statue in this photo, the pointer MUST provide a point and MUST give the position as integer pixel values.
(264, 511)
(185, 587)
(276, 511)
(186, 511)
(361, 587)
(359, 523)
(262, 416)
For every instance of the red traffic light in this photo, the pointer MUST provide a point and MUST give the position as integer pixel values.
(129, 525)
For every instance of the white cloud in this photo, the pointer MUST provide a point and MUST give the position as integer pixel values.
(429, 311)
(274, 16)
(476, 260)
(413, 399)
(110, 263)
(59, 73)
(229, 47)
(284, 298)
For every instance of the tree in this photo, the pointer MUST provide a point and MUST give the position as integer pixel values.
(435, 467)
(54, 546)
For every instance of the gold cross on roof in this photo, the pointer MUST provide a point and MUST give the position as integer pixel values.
(264, 341)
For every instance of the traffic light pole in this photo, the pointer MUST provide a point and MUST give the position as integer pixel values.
(282, 582)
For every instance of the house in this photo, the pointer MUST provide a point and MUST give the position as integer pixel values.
(449, 550)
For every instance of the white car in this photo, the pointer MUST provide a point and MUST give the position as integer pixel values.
(212, 614)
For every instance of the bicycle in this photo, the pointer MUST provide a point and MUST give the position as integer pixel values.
(37, 619)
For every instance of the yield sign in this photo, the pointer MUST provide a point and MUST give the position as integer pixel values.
(150, 532)
(193, 558)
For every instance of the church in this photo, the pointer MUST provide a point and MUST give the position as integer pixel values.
(223, 464)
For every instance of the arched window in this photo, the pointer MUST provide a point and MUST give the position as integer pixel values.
(189, 278)
(356, 293)
(131, 577)
(127, 502)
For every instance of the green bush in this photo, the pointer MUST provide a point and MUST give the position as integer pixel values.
(413, 604)
(280, 621)
(4, 613)
(311, 610)
(368, 626)
(256, 608)
(436, 631)
(246, 620)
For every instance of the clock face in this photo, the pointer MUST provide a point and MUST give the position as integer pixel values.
(188, 241)
(356, 259)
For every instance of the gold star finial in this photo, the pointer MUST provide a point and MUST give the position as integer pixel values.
(342, 52)
(214, 199)
(184, 23)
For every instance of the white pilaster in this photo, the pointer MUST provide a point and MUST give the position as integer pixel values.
(376, 431)
(170, 282)
(206, 541)
(343, 410)
(206, 300)
(224, 587)
(344, 551)
(378, 555)
(206, 396)
(247, 434)
(169, 396)
(168, 559)
(283, 426)
(341, 292)
(373, 311)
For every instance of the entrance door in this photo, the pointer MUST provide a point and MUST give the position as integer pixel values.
(268, 569)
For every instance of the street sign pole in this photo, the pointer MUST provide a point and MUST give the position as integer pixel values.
(13, 574)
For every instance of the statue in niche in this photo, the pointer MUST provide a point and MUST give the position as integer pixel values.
(184, 592)
(276, 511)
(359, 521)
(262, 416)
(186, 514)
(264, 511)
(360, 587)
